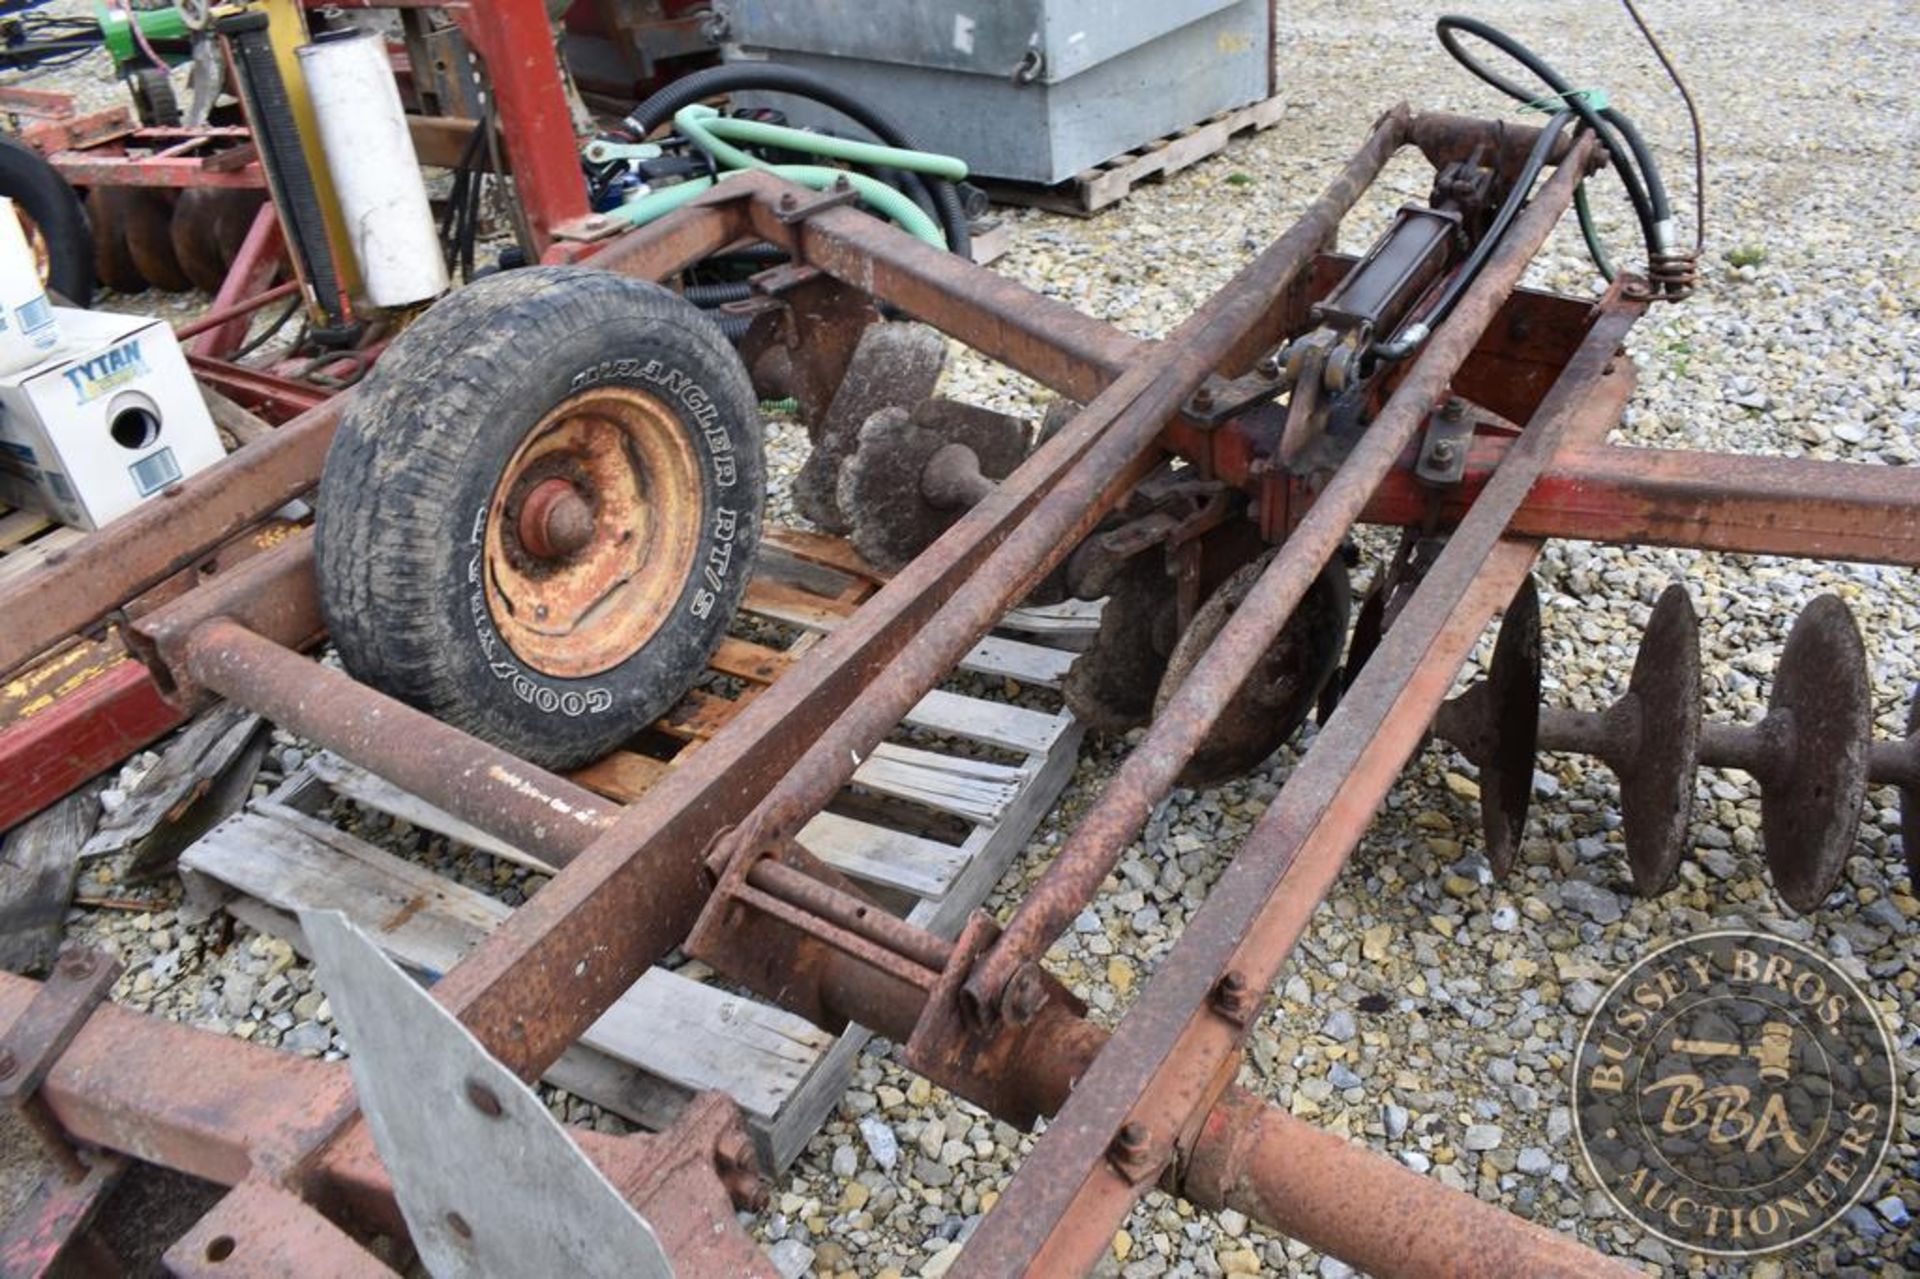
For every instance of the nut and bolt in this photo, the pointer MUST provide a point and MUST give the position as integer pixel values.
(1442, 452)
(1129, 1152)
(789, 202)
(1026, 995)
(1232, 997)
(1203, 399)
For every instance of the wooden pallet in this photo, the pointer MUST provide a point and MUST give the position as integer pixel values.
(1091, 190)
(928, 827)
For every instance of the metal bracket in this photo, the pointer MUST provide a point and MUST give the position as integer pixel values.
(594, 226)
(1443, 452)
(80, 980)
(791, 209)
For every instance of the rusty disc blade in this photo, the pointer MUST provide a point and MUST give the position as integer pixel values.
(1513, 702)
(1286, 682)
(1910, 801)
(882, 490)
(113, 263)
(147, 221)
(1111, 686)
(1662, 753)
(1819, 723)
(194, 246)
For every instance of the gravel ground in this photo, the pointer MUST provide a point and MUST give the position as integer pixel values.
(1430, 1012)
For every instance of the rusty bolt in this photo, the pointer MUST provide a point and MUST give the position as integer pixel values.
(484, 1099)
(1454, 409)
(1269, 366)
(1231, 997)
(788, 202)
(733, 1150)
(9, 1064)
(1129, 1150)
(77, 963)
(1203, 399)
(1026, 995)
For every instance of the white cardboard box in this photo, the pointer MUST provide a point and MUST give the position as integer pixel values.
(108, 421)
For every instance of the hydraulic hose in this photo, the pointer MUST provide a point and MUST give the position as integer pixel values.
(735, 77)
(1615, 131)
(1410, 337)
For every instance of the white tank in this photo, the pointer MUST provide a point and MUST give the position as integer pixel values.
(376, 175)
(29, 333)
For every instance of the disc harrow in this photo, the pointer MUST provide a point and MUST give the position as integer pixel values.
(1813, 753)
(1209, 486)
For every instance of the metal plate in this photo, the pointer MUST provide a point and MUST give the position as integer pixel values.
(1513, 685)
(1819, 724)
(489, 1182)
(1662, 737)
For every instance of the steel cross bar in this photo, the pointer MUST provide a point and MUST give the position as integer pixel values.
(1724, 502)
(1169, 1055)
(1182, 726)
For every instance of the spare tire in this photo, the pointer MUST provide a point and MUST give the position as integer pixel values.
(55, 224)
(538, 517)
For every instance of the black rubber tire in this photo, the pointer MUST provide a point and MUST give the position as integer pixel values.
(406, 489)
(44, 196)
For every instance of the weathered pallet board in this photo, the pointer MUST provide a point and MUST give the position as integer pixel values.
(1092, 190)
(928, 826)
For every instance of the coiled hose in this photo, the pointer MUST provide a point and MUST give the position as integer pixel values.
(742, 77)
(1632, 159)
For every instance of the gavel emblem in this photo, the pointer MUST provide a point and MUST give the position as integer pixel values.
(1774, 1052)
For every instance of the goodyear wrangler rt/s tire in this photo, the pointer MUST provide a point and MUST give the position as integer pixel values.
(537, 518)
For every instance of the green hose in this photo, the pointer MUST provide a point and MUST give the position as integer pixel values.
(658, 203)
(869, 154)
(693, 122)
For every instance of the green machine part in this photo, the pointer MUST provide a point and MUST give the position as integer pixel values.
(158, 25)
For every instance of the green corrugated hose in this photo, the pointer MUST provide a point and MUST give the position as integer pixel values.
(697, 124)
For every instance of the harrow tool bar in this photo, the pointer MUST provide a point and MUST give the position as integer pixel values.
(705, 859)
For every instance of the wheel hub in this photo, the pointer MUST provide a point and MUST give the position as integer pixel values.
(555, 520)
(591, 532)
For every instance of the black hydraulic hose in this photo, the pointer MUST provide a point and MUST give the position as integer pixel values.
(736, 77)
(1410, 337)
(1631, 157)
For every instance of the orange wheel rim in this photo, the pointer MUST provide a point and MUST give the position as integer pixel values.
(592, 532)
(37, 242)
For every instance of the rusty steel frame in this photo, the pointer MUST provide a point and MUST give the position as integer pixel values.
(706, 859)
